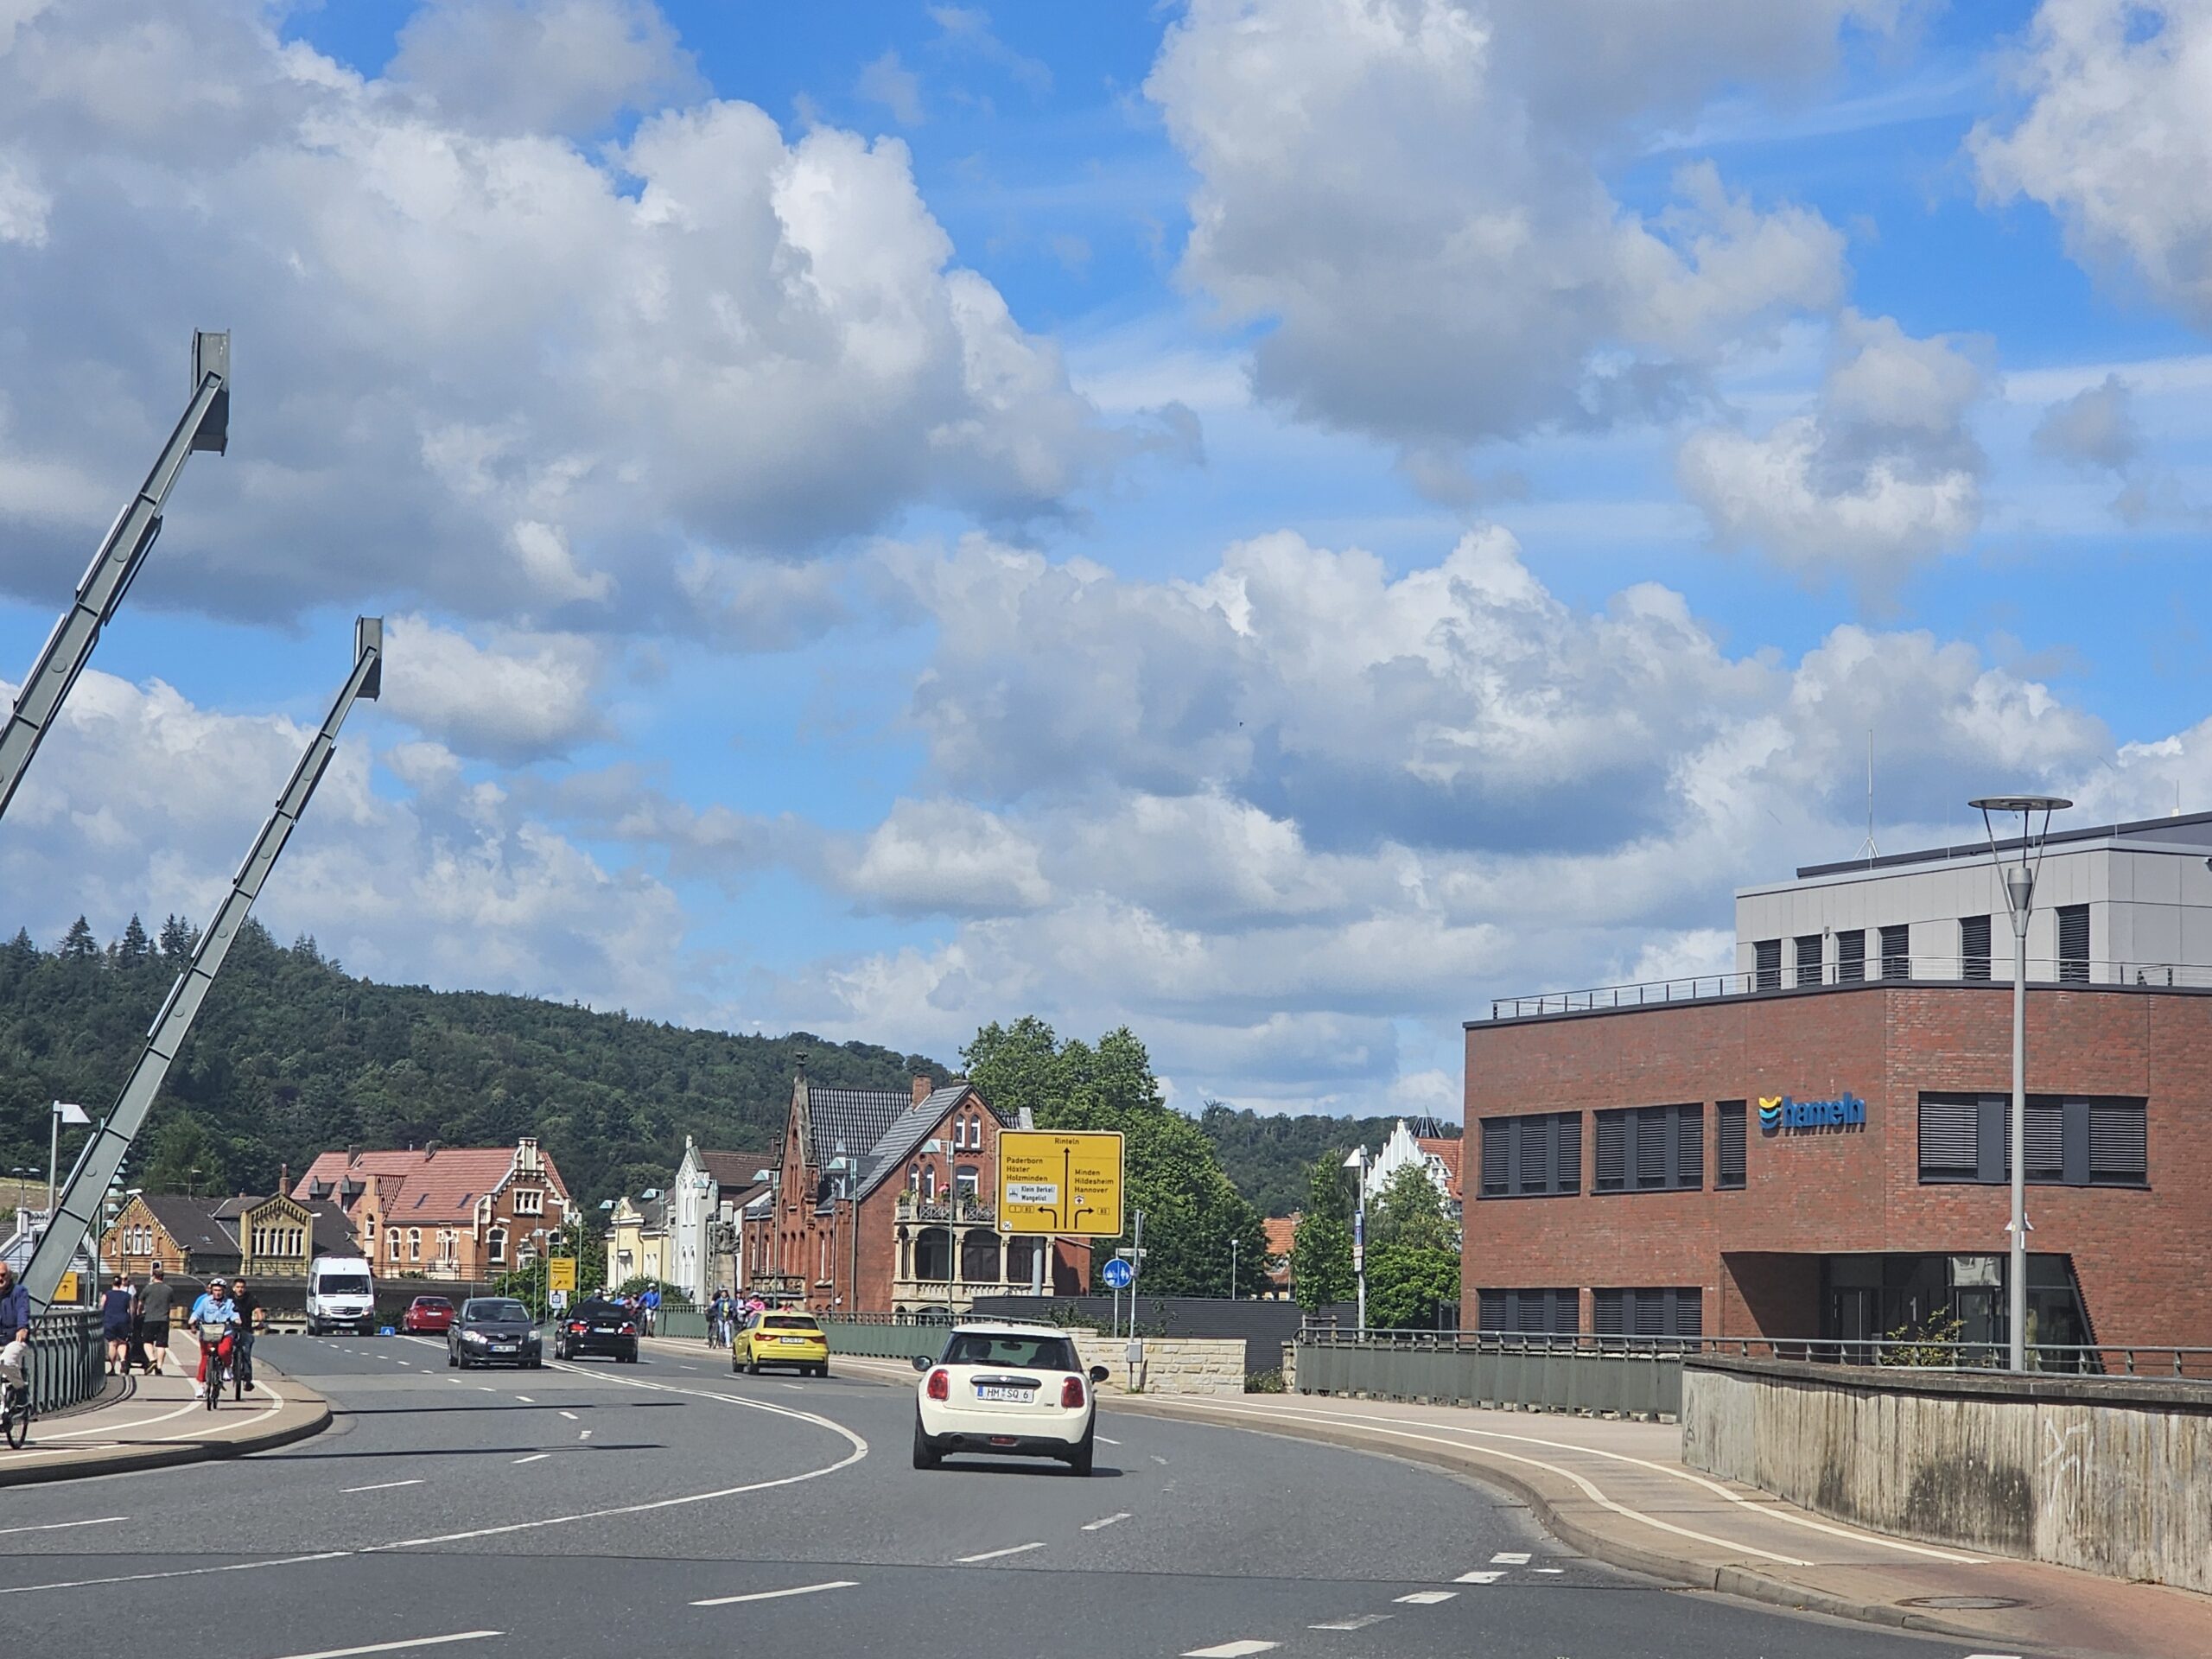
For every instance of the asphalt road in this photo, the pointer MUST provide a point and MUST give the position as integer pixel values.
(671, 1507)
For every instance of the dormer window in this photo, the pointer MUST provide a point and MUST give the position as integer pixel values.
(530, 1201)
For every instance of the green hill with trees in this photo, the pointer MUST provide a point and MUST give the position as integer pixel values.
(1268, 1157)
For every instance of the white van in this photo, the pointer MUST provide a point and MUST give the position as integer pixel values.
(341, 1295)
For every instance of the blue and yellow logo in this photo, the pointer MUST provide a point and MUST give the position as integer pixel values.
(1770, 1113)
(1780, 1112)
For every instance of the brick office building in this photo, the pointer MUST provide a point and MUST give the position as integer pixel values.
(1818, 1148)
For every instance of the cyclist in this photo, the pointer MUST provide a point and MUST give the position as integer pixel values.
(14, 1326)
(214, 1311)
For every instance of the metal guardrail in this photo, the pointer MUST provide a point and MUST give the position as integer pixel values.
(884, 1337)
(2060, 973)
(67, 1359)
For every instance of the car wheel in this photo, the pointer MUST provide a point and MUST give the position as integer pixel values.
(822, 1370)
(926, 1455)
(451, 1359)
(1079, 1459)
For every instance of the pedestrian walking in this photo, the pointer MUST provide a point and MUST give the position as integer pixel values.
(153, 1304)
(652, 1299)
(115, 1324)
(251, 1319)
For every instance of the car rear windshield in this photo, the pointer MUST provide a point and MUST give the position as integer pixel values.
(342, 1284)
(433, 1303)
(1031, 1353)
(787, 1322)
(489, 1309)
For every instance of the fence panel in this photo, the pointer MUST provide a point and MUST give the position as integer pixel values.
(1495, 1372)
(67, 1358)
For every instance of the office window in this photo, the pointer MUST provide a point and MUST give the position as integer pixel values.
(1537, 1155)
(1730, 1170)
(1650, 1148)
(1896, 953)
(1529, 1312)
(1809, 958)
(2074, 944)
(1851, 957)
(1657, 1311)
(1974, 947)
(2070, 1142)
(1766, 972)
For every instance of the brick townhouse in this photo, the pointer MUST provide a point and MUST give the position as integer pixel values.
(1816, 1146)
(445, 1212)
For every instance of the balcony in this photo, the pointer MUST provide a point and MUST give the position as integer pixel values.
(2065, 973)
(912, 1206)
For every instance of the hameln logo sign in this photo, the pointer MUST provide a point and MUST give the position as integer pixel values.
(1780, 1112)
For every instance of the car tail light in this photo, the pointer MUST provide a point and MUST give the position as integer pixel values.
(629, 1330)
(940, 1386)
(579, 1329)
(1071, 1391)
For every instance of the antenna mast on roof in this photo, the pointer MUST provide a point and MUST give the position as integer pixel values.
(1867, 846)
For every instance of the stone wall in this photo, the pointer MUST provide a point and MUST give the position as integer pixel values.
(1172, 1364)
(2105, 1474)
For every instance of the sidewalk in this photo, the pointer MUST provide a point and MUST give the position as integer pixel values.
(159, 1423)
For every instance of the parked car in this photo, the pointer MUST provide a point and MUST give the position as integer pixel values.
(1006, 1390)
(493, 1330)
(426, 1316)
(777, 1337)
(597, 1326)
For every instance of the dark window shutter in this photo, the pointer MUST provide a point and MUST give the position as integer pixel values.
(2045, 1135)
(1896, 953)
(1566, 1127)
(1650, 1314)
(2073, 944)
(1974, 947)
(1690, 1146)
(1689, 1312)
(1950, 1139)
(1612, 1151)
(1495, 1132)
(1607, 1313)
(1851, 957)
(1734, 1119)
(2118, 1141)
(1651, 1138)
(1489, 1310)
(1766, 956)
(1809, 958)
(1567, 1312)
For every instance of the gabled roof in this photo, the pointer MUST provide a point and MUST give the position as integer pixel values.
(854, 1118)
(421, 1188)
(911, 1128)
(1282, 1233)
(736, 1169)
(1452, 1151)
(191, 1225)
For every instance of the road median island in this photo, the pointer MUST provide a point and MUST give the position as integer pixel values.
(1617, 1491)
(157, 1424)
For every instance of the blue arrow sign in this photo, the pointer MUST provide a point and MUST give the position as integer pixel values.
(1118, 1274)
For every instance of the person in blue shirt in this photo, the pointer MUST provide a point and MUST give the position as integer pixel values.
(213, 1309)
(651, 1302)
(14, 1324)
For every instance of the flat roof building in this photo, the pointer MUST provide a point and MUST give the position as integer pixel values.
(1814, 1146)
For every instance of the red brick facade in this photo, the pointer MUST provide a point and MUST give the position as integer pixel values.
(2141, 1255)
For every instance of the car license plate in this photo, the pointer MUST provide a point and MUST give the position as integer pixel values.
(602, 1330)
(794, 1341)
(503, 1347)
(1019, 1396)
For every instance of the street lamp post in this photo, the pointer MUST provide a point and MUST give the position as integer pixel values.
(1357, 1164)
(2018, 880)
(1232, 1268)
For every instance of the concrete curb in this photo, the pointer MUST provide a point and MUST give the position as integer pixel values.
(1744, 1583)
(130, 1460)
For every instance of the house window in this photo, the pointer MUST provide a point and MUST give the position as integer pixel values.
(2074, 944)
(530, 1201)
(495, 1245)
(1529, 1312)
(1536, 1155)
(913, 1177)
(1766, 970)
(391, 1238)
(413, 1243)
(1729, 1169)
(1974, 947)
(1661, 1311)
(1897, 951)
(1851, 957)
(2069, 1142)
(1650, 1149)
(1809, 958)
(966, 1180)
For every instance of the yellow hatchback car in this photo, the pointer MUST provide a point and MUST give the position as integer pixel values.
(775, 1338)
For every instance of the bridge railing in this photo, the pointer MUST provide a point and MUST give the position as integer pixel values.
(67, 1359)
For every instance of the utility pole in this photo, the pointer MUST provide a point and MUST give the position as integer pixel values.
(1357, 1164)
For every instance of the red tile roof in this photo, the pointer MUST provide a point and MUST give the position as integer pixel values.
(1453, 1151)
(1282, 1233)
(420, 1187)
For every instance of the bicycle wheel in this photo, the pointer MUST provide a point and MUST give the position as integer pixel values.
(239, 1380)
(17, 1415)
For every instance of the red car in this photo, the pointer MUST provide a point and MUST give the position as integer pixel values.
(428, 1315)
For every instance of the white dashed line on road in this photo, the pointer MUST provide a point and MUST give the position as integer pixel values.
(1100, 1525)
(63, 1526)
(777, 1595)
(1485, 1576)
(1356, 1622)
(571, 1416)
(1554, 1571)
(1230, 1649)
(525, 1399)
(382, 1485)
(1510, 1558)
(1428, 1598)
(1104, 1440)
(409, 1644)
(584, 1435)
(1162, 1461)
(1011, 1549)
(534, 1457)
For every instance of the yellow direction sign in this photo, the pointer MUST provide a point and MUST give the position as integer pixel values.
(1051, 1182)
(65, 1293)
(560, 1273)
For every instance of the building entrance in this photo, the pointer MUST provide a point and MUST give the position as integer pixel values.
(1898, 1298)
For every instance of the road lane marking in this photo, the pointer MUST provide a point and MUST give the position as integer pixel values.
(777, 1595)
(397, 1647)
(1106, 1441)
(63, 1526)
(1490, 1575)
(525, 1399)
(1510, 1558)
(1356, 1622)
(1011, 1549)
(175, 1572)
(1551, 1569)
(534, 1457)
(1096, 1526)
(1230, 1649)
(1428, 1598)
(584, 1435)
(571, 1416)
(382, 1485)
(1162, 1461)
(795, 1388)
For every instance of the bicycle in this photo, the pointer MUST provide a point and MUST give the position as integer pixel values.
(241, 1368)
(213, 1337)
(16, 1413)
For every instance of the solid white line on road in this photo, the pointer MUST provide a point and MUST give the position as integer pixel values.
(1096, 1526)
(1510, 1558)
(63, 1526)
(1011, 1549)
(175, 1572)
(534, 1457)
(571, 1416)
(1230, 1649)
(1105, 1440)
(1428, 1598)
(382, 1485)
(1356, 1622)
(777, 1595)
(1488, 1576)
(397, 1647)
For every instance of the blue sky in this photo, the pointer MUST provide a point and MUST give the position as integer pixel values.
(1268, 522)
